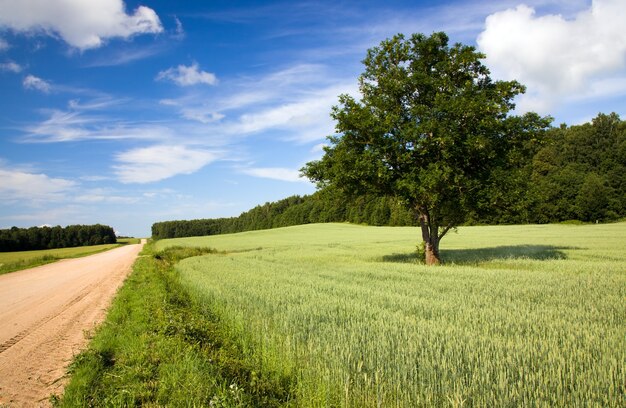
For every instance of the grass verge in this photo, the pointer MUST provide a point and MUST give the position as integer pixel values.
(16, 261)
(159, 347)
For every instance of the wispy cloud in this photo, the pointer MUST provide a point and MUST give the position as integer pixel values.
(125, 55)
(179, 32)
(294, 103)
(50, 216)
(36, 83)
(100, 103)
(4, 45)
(159, 162)
(183, 75)
(75, 125)
(82, 25)
(30, 186)
(196, 111)
(105, 195)
(10, 66)
(275, 173)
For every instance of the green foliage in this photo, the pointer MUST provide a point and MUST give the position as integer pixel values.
(323, 206)
(159, 347)
(581, 172)
(431, 129)
(26, 239)
(346, 311)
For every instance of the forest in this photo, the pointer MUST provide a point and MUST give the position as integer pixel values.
(574, 173)
(26, 239)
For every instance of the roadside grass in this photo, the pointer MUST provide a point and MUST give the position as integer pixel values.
(16, 261)
(128, 241)
(160, 347)
(518, 316)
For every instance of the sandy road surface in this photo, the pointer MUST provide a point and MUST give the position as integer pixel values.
(44, 313)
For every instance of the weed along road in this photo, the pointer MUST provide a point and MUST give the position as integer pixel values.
(45, 314)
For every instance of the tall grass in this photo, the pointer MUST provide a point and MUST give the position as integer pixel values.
(519, 315)
(158, 347)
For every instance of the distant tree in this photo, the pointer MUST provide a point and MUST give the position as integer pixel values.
(430, 129)
(581, 172)
(21, 239)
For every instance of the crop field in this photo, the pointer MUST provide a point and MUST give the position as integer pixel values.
(518, 315)
(12, 261)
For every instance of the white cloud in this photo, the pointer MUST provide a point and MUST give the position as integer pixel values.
(63, 215)
(155, 163)
(33, 82)
(179, 34)
(197, 112)
(305, 118)
(68, 126)
(275, 173)
(94, 178)
(22, 185)
(293, 103)
(95, 104)
(187, 75)
(319, 148)
(104, 195)
(81, 24)
(124, 54)
(4, 45)
(556, 57)
(10, 66)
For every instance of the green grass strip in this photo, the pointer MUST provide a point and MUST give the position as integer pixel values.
(19, 260)
(158, 347)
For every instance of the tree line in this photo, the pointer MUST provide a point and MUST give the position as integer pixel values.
(572, 173)
(26, 239)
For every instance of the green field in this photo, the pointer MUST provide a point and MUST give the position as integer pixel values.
(13, 261)
(518, 316)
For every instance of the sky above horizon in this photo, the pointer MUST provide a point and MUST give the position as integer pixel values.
(126, 113)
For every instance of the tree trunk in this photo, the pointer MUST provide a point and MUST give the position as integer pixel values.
(432, 254)
(430, 236)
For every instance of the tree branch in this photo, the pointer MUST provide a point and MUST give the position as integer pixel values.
(445, 230)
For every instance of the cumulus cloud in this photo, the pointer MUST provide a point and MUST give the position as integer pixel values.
(155, 163)
(184, 75)
(81, 24)
(33, 82)
(22, 185)
(10, 66)
(555, 57)
(275, 173)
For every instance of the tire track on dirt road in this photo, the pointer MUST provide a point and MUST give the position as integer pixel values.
(44, 315)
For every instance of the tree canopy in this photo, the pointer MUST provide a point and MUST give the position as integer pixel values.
(26, 239)
(431, 128)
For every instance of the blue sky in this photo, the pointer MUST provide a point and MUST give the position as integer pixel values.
(126, 113)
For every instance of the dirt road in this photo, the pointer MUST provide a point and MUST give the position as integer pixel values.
(44, 315)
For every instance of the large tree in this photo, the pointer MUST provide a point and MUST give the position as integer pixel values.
(431, 128)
